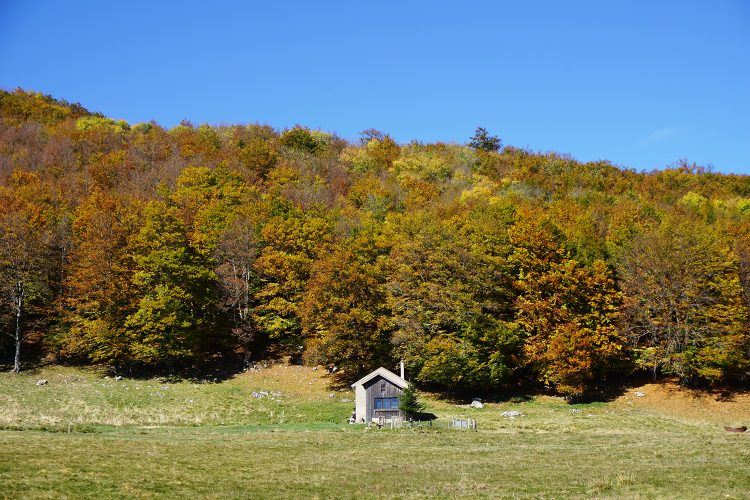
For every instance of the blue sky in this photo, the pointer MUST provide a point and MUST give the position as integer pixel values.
(640, 83)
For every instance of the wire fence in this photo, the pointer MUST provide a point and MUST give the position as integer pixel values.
(461, 423)
(468, 423)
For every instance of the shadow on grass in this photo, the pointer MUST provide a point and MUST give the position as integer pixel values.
(523, 392)
(30, 362)
(425, 417)
(726, 393)
(211, 370)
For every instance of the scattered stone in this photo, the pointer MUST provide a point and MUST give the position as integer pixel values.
(118, 377)
(41, 382)
(476, 403)
(639, 394)
(332, 395)
(511, 414)
(265, 394)
(575, 410)
(736, 429)
(315, 368)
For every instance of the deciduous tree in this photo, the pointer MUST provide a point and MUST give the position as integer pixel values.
(99, 281)
(568, 311)
(344, 312)
(684, 310)
(25, 253)
(176, 288)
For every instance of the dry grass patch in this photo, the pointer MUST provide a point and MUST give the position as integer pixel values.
(671, 399)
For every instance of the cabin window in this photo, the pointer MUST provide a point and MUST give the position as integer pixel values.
(386, 403)
(382, 386)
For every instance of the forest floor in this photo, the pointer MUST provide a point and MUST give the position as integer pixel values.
(280, 431)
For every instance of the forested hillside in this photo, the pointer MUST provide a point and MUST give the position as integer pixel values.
(478, 264)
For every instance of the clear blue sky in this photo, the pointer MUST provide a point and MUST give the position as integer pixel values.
(641, 83)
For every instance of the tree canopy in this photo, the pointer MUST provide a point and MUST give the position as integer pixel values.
(478, 265)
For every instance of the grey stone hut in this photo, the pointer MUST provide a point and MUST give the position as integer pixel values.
(378, 395)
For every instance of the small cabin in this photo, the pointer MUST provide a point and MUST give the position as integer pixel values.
(377, 396)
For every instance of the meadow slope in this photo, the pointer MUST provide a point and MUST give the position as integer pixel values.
(281, 432)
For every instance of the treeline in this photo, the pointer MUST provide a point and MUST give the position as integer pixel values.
(477, 264)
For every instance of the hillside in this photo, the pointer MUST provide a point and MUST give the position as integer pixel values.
(298, 397)
(81, 400)
(481, 265)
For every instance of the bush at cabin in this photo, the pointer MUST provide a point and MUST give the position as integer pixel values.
(410, 404)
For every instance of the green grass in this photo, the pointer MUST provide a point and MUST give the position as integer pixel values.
(229, 444)
(79, 399)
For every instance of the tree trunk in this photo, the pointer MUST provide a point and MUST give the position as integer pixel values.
(17, 359)
(18, 338)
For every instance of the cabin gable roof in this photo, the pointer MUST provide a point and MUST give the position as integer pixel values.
(386, 374)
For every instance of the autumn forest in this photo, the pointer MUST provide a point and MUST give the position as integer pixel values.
(480, 265)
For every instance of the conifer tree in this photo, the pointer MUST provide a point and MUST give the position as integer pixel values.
(410, 403)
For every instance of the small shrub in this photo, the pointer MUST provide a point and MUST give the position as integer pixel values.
(410, 403)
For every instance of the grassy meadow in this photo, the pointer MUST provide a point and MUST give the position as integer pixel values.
(281, 432)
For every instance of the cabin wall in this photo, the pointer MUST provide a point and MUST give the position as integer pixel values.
(373, 390)
(360, 403)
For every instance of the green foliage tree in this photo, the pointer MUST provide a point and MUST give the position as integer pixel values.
(444, 326)
(409, 402)
(299, 138)
(483, 141)
(206, 201)
(175, 288)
